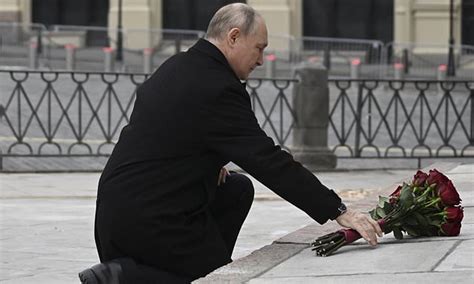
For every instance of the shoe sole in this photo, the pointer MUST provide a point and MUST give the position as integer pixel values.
(88, 277)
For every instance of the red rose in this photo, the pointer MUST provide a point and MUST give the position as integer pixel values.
(395, 195)
(419, 178)
(454, 214)
(397, 191)
(448, 194)
(436, 177)
(450, 229)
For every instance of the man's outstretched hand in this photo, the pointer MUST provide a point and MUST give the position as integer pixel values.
(367, 227)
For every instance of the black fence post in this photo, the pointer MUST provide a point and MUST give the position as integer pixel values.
(2, 113)
(405, 61)
(471, 142)
(369, 55)
(379, 54)
(327, 56)
(358, 118)
(388, 54)
(39, 48)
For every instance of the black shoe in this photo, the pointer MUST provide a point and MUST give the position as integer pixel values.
(103, 273)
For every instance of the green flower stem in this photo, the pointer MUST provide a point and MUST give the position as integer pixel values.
(329, 248)
(334, 248)
(432, 202)
(428, 190)
(327, 238)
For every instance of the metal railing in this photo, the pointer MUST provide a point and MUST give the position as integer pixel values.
(74, 114)
(408, 118)
(162, 44)
(15, 40)
(88, 43)
(273, 106)
(423, 60)
(337, 54)
(80, 114)
(375, 60)
(19, 33)
(61, 114)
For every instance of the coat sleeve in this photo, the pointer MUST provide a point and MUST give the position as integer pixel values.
(235, 134)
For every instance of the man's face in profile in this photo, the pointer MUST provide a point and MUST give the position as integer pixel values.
(248, 51)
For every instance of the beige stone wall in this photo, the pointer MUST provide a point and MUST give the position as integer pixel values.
(138, 18)
(403, 20)
(283, 17)
(15, 11)
(419, 21)
(10, 11)
(25, 10)
(156, 8)
(296, 10)
(284, 21)
(426, 23)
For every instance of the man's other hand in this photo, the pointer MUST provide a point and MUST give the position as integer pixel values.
(367, 227)
(222, 176)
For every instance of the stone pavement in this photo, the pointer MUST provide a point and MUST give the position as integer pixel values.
(46, 220)
(422, 260)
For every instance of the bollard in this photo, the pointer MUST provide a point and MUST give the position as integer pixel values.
(314, 59)
(33, 55)
(398, 71)
(70, 56)
(355, 68)
(270, 66)
(109, 59)
(147, 60)
(311, 106)
(442, 70)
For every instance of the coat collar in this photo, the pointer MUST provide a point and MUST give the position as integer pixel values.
(206, 47)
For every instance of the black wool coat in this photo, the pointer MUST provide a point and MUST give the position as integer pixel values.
(190, 118)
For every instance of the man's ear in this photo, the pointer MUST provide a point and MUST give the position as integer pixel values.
(232, 36)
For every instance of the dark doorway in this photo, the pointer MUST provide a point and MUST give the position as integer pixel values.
(467, 22)
(74, 12)
(190, 14)
(361, 19)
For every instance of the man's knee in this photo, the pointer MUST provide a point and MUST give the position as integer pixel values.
(245, 187)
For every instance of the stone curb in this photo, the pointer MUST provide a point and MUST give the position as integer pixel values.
(253, 265)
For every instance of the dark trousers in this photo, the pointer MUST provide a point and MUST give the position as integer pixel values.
(231, 206)
(229, 209)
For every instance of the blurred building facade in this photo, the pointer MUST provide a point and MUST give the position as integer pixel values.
(417, 21)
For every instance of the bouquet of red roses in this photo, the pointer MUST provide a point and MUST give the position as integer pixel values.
(428, 206)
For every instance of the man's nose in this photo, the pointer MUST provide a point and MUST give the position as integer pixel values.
(260, 60)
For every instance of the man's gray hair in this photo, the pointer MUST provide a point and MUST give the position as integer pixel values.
(236, 15)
